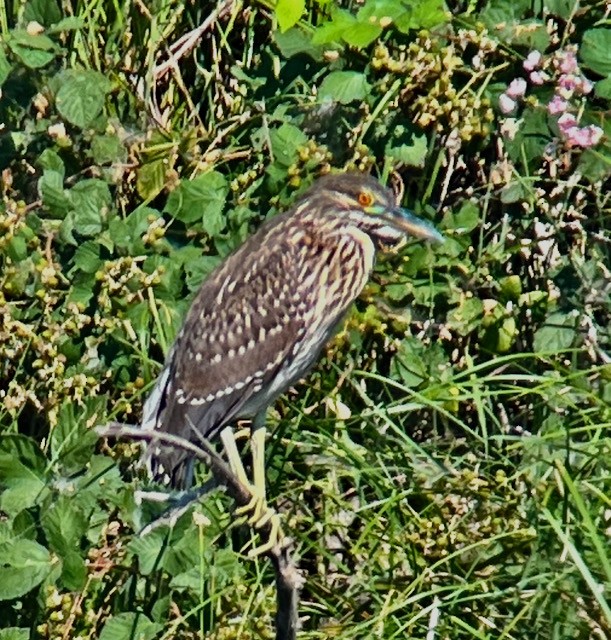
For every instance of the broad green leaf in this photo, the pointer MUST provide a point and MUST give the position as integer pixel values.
(50, 159)
(24, 564)
(151, 178)
(423, 14)
(467, 316)
(46, 12)
(91, 201)
(14, 633)
(595, 50)
(294, 42)
(464, 220)
(55, 198)
(361, 34)
(149, 551)
(87, 257)
(74, 571)
(289, 13)
(558, 333)
(344, 87)
(286, 141)
(21, 484)
(333, 31)
(595, 164)
(64, 525)
(201, 200)
(129, 626)
(107, 148)
(603, 88)
(374, 10)
(81, 96)
(412, 155)
(408, 365)
(34, 51)
(73, 440)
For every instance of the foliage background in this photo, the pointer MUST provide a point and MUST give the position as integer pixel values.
(445, 468)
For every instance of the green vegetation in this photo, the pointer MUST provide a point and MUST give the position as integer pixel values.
(445, 469)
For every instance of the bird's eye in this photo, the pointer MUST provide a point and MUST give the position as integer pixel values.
(365, 199)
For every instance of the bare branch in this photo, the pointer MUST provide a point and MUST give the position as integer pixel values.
(289, 580)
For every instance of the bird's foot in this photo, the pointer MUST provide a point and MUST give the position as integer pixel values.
(261, 515)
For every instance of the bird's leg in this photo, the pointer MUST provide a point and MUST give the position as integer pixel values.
(233, 457)
(260, 513)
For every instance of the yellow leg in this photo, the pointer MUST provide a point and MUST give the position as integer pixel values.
(260, 513)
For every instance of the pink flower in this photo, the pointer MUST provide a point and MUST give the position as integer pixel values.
(566, 122)
(584, 137)
(582, 86)
(516, 88)
(533, 61)
(566, 85)
(506, 104)
(538, 77)
(566, 61)
(557, 105)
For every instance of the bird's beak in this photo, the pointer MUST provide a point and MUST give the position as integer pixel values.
(413, 226)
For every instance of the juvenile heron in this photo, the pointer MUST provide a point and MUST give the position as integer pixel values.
(259, 322)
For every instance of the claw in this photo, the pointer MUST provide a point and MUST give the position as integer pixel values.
(258, 512)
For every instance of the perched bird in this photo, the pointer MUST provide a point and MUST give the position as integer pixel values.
(258, 323)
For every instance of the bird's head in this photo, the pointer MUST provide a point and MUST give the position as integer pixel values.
(364, 202)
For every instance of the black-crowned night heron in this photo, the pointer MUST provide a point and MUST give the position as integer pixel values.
(260, 320)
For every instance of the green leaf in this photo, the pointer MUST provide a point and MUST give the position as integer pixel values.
(557, 334)
(344, 87)
(361, 34)
(424, 14)
(149, 550)
(24, 564)
(33, 51)
(21, 484)
(294, 42)
(64, 525)
(412, 154)
(81, 96)
(408, 365)
(14, 633)
(50, 159)
(130, 626)
(46, 12)
(595, 164)
(464, 220)
(107, 148)
(603, 88)
(595, 50)
(289, 13)
(17, 248)
(467, 316)
(91, 202)
(71, 23)
(201, 200)
(87, 257)
(333, 30)
(72, 440)
(54, 197)
(151, 178)
(74, 571)
(286, 141)
(5, 67)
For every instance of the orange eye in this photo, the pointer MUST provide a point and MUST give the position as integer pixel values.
(365, 199)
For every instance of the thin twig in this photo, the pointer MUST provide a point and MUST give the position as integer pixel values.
(188, 41)
(289, 581)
